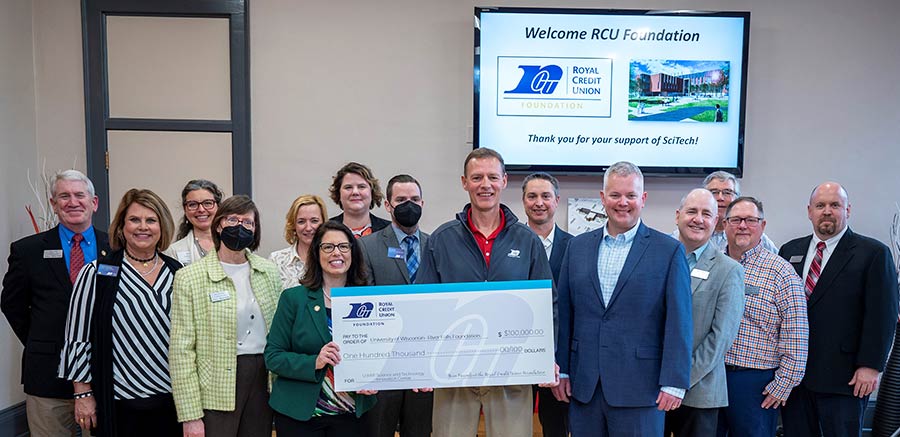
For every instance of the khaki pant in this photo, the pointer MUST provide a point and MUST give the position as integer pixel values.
(507, 411)
(49, 417)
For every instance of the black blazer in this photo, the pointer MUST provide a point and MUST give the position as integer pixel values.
(560, 243)
(852, 310)
(378, 223)
(35, 301)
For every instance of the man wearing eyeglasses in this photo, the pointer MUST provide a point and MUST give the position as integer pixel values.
(392, 258)
(725, 187)
(851, 286)
(768, 356)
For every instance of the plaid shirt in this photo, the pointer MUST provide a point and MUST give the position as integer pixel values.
(203, 344)
(774, 331)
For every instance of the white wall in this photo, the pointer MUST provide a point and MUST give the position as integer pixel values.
(389, 84)
(17, 146)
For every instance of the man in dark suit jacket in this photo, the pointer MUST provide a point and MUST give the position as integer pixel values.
(35, 299)
(851, 287)
(624, 319)
(540, 197)
(392, 258)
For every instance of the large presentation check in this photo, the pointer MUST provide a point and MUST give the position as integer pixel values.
(443, 335)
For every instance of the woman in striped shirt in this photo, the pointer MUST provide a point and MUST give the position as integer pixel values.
(300, 350)
(117, 332)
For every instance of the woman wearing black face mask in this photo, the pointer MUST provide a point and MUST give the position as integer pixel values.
(221, 313)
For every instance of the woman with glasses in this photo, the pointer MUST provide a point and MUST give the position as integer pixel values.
(117, 332)
(200, 199)
(222, 310)
(305, 215)
(300, 350)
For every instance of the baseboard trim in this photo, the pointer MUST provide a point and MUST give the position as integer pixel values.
(13, 421)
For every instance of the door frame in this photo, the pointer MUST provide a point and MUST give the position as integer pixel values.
(96, 90)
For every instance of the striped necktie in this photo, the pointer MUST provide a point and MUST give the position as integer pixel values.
(412, 258)
(815, 269)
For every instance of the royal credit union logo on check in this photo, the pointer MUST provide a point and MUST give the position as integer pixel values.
(360, 310)
(554, 87)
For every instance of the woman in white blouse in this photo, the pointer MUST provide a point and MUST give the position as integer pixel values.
(305, 215)
(117, 333)
(200, 199)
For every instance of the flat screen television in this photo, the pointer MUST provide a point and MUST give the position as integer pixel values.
(576, 90)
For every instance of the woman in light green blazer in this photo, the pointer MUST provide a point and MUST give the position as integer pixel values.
(300, 350)
(222, 308)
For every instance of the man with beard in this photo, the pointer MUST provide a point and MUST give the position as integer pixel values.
(851, 289)
(392, 258)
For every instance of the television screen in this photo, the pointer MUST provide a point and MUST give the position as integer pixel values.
(574, 90)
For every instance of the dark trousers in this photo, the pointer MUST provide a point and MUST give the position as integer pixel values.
(553, 414)
(252, 416)
(150, 417)
(342, 425)
(410, 409)
(809, 413)
(599, 419)
(692, 422)
(744, 415)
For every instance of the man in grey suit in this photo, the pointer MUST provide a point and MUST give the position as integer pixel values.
(392, 258)
(717, 294)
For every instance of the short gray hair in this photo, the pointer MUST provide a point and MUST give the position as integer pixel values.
(723, 176)
(541, 176)
(623, 169)
(71, 175)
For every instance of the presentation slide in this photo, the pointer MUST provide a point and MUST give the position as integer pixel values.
(585, 90)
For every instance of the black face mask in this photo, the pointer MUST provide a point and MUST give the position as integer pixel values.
(407, 214)
(236, 237)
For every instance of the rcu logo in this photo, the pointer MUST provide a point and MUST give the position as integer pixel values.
(360, 310)
(538, 80)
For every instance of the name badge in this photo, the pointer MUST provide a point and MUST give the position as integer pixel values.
(218, 296)
(396, 252)
(50, 254)
(751, 290)
(796, 259)
(699, 274)
(183, 257)
(107, 270)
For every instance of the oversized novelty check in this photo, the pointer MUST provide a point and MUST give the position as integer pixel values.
(443, 335)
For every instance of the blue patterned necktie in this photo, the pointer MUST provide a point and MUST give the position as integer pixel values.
(412, 258)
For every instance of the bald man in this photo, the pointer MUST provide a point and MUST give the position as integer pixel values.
(851, 289)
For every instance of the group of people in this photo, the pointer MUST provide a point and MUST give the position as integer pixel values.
(710, 330)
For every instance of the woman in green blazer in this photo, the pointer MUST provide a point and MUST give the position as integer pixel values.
(300, 350)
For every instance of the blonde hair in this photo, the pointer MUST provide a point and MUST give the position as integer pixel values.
(290, 218)
(150, 200)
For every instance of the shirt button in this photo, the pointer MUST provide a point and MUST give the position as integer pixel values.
(252, 317)
(248, 332)
(240, 343)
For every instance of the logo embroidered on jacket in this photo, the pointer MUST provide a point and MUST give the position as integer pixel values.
(513, 253)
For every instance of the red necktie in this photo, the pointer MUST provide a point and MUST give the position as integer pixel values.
(76, 257)
(815, 269)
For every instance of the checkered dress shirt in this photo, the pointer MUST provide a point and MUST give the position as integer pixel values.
(774, 331)
(611, 259)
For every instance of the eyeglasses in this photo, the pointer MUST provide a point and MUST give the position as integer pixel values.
(726, 192)
(207, 204)
(234, 221)
(329, 247)
(750, 221)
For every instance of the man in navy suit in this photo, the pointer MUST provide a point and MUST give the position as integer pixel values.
(625, 331)
(851, 289)
(540, 197)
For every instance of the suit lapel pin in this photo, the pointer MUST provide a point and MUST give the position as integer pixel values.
(316, 308)
(102, 253)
